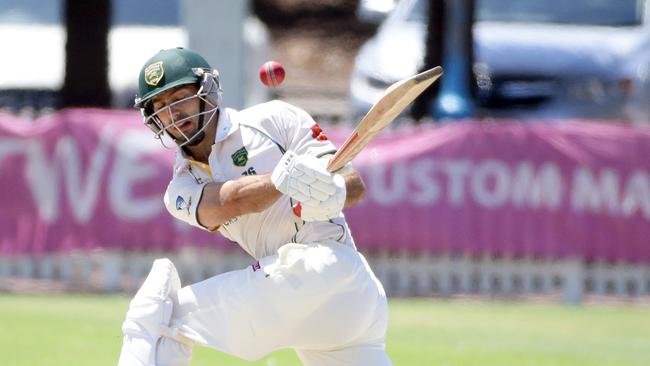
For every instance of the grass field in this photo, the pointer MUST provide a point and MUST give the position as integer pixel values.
(85, 330)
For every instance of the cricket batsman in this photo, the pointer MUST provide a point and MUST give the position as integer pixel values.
(241, 173)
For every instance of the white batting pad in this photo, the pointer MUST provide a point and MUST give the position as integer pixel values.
(148, 319)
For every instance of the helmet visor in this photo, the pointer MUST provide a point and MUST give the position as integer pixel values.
(173, 126)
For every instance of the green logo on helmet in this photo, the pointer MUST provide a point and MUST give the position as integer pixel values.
(240, 157)
(153, 73)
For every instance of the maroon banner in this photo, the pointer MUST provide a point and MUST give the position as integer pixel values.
(85, 179)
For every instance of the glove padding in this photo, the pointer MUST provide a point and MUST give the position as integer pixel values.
(303, 178)
(328, 209)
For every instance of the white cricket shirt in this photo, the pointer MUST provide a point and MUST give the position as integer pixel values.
(252, 141)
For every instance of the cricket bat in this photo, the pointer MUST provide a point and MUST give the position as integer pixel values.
(395, 99)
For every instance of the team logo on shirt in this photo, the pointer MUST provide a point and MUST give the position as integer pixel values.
(153, 73)
(182, 205)
(240, 157)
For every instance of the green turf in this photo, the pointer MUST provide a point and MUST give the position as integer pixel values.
(85, 330)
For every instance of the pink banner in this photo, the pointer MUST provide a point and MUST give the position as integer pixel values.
(83, 179)
(509, 189)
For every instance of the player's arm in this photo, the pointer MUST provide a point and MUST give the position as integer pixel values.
(207, 204)
(355, 188)
(223, 202)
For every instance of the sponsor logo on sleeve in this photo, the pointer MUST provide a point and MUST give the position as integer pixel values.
(182, 205)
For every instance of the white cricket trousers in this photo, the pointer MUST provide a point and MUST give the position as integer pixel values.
(320, 299)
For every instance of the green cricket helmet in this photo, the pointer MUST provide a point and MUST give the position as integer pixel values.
(173, 68)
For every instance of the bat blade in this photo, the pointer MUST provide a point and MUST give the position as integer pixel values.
(395, 99)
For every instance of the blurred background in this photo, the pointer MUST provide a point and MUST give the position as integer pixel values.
(507, 210)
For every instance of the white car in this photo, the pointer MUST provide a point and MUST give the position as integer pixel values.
(539, 59)
(32, 37)
(374, 11)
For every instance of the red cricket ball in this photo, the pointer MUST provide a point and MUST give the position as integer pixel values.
(272, 74)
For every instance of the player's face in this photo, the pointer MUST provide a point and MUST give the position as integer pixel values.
(177, 109)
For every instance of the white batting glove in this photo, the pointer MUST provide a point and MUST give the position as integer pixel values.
(328, 209)
(303, 178)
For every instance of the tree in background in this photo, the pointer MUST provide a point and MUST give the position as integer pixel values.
(86, 68)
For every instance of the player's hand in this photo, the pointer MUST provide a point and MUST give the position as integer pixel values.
(328, 209)
(303, 178)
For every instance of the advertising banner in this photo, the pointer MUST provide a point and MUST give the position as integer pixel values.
(87, 179)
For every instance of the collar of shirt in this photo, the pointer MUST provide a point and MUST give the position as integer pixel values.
(226, 125)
